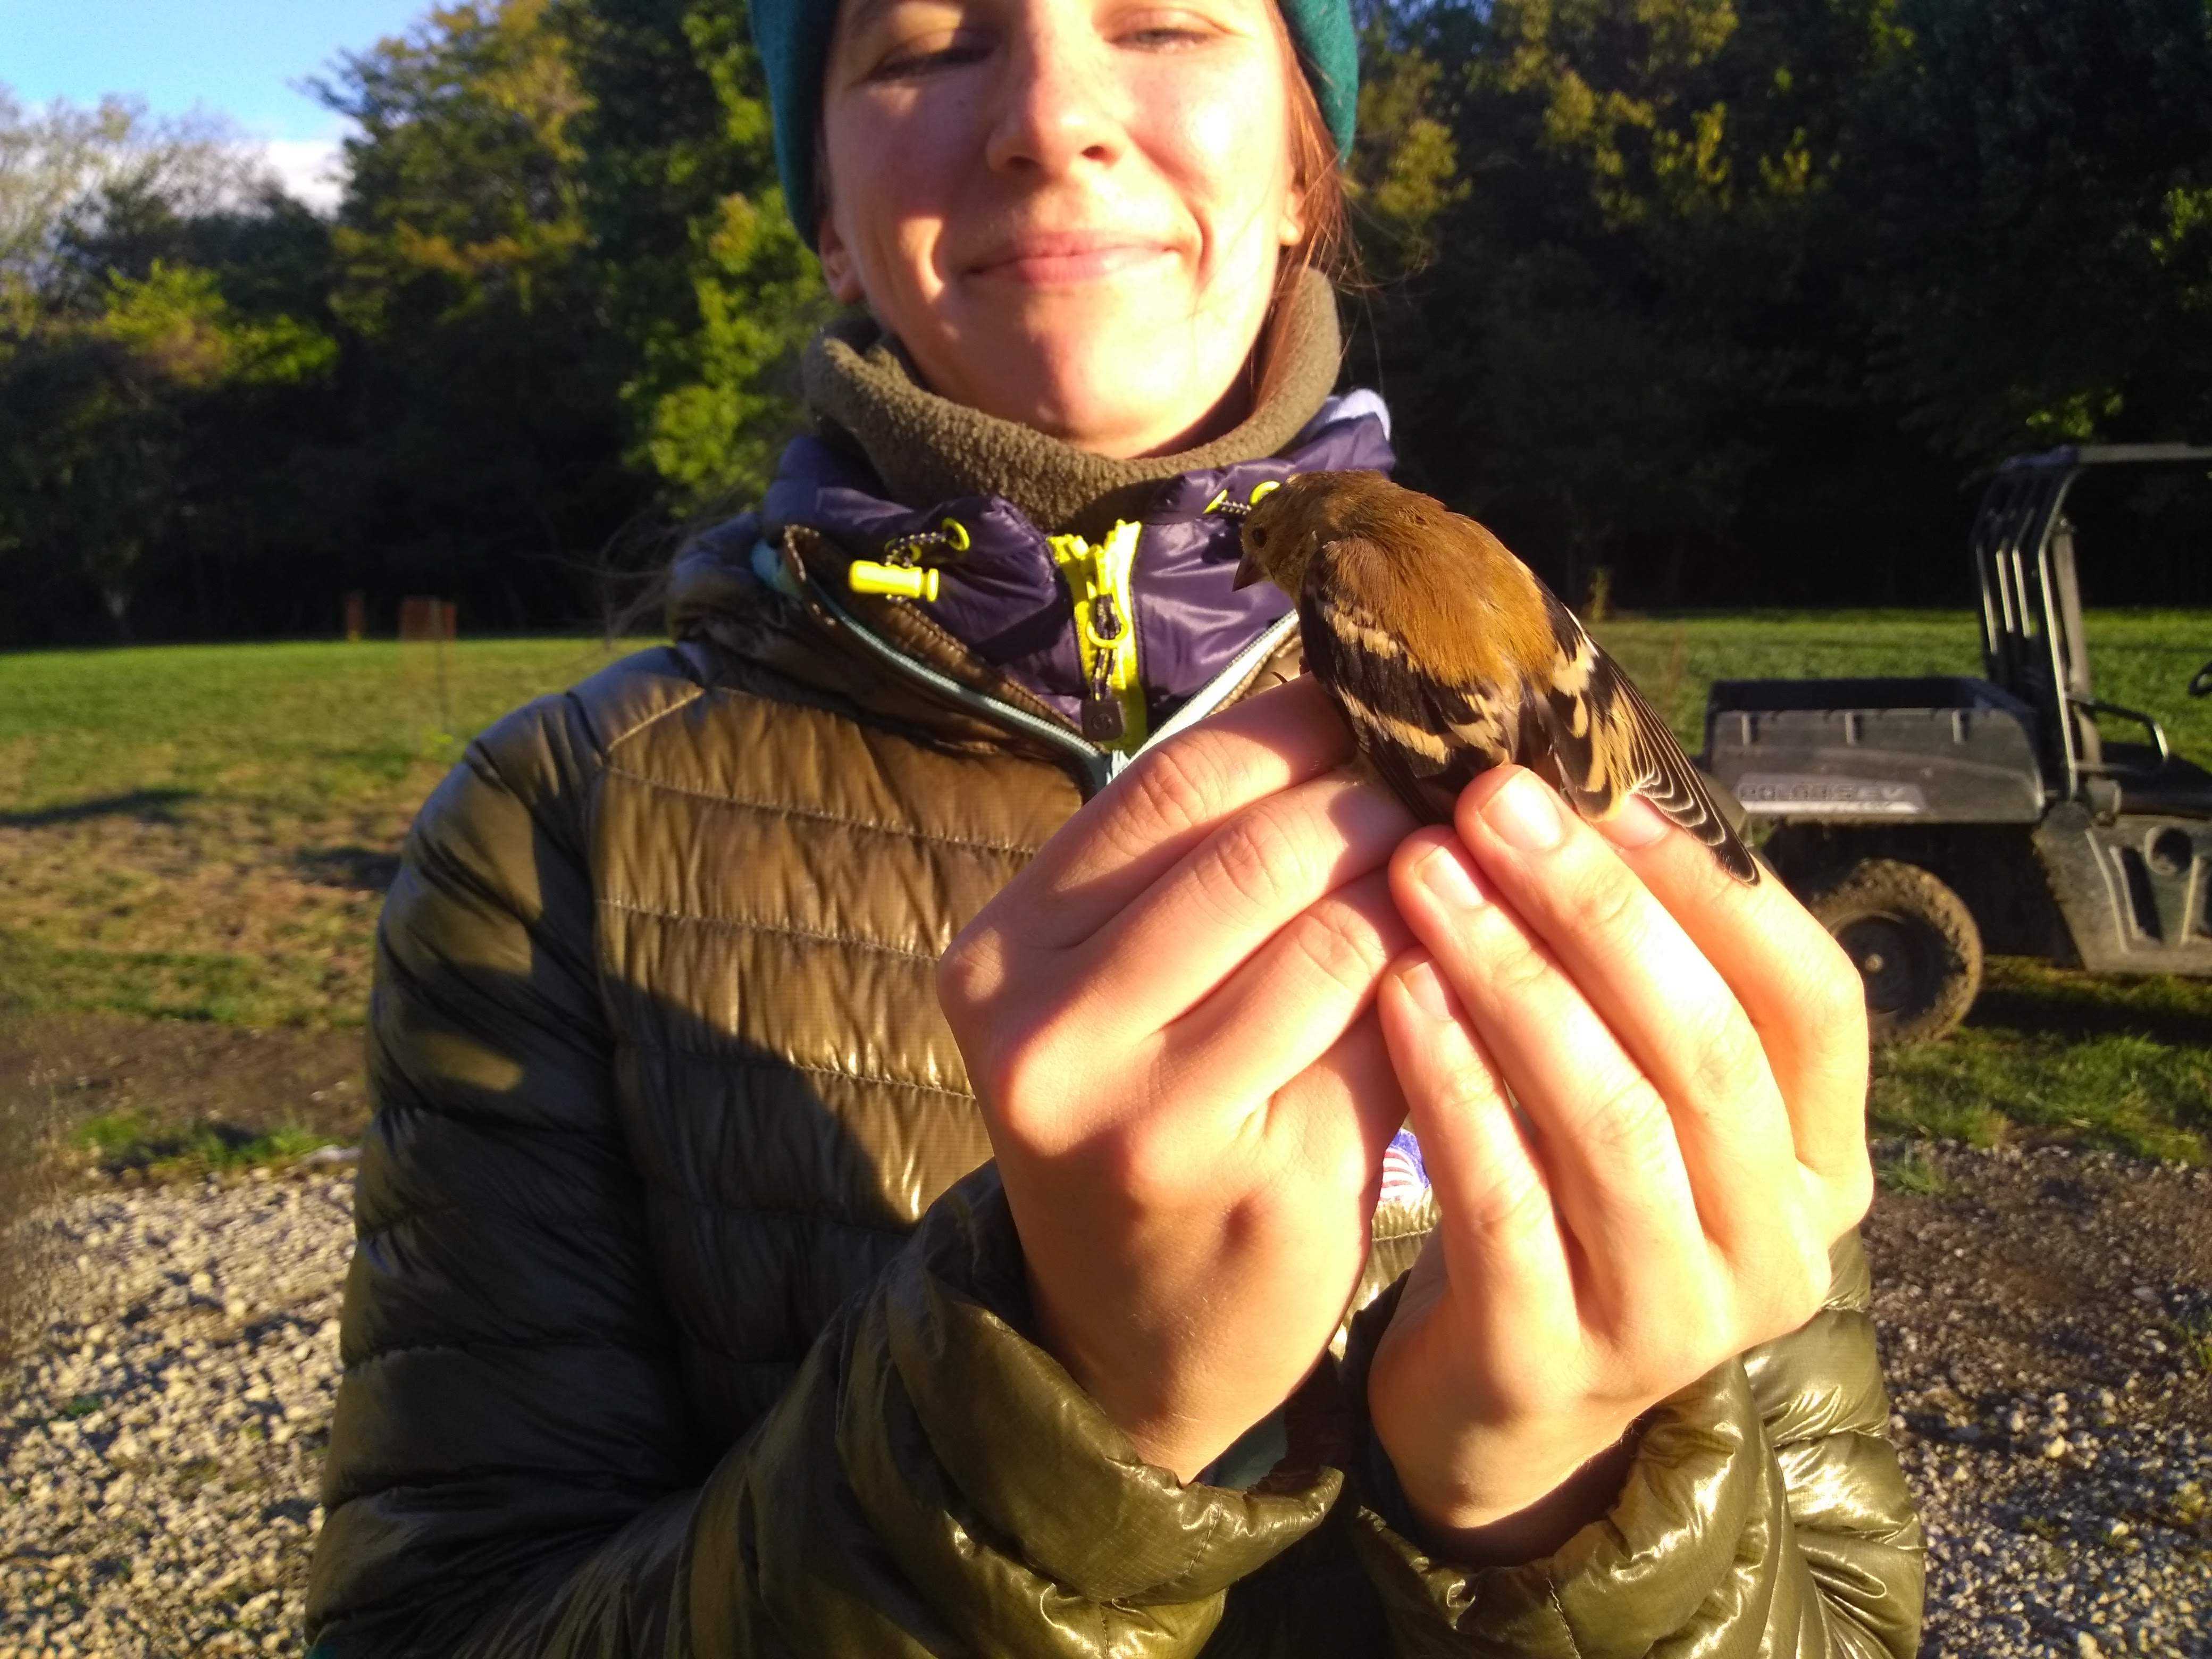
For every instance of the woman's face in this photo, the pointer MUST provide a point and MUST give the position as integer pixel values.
(1071, 212)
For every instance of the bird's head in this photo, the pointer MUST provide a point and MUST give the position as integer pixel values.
(1288, 525)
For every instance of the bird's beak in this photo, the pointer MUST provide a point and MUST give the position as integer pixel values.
(1248, 571)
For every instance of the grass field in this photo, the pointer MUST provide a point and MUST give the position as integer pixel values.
(204, 833)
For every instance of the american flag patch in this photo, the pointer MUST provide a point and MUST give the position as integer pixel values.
(1405, 1177)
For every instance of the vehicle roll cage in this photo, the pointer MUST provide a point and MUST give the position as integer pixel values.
(2031, 634)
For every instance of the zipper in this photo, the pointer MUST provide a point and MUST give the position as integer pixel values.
(1097, 767)
(1218, 690)
(1114, 715)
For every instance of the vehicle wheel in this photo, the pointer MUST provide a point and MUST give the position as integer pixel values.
(1915, 944)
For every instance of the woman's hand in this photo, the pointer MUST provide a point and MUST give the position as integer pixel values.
(1168, 1019)
(1689, 1060)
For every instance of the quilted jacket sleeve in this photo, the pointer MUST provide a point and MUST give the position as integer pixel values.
(512, 1469)
(1765, 1513)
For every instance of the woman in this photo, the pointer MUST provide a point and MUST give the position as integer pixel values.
(689, 1316)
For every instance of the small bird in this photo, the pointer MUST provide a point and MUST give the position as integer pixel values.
(1448, 656)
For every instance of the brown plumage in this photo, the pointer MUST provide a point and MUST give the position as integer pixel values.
(1448, 656)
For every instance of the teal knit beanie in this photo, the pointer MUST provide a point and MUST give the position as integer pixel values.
(794, 37)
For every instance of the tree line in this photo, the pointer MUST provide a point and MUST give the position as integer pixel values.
(1733, 301)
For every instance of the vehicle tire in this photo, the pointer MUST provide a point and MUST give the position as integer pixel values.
(1914, 943)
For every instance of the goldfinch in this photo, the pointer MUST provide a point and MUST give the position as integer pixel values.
(1448, 656)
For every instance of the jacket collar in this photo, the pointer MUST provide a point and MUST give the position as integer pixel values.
(1005, 602)
(922, 449)
(774, 587)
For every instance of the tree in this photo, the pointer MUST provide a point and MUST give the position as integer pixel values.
(1548, 380)
(1736, 297)
(463, 192)
(2042, 175)
(1644, 340)
(711, 292)
(58, 166)
(484, 405)
(97, 418)
(119, 346)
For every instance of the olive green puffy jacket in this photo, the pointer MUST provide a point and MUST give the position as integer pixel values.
(687, 1317)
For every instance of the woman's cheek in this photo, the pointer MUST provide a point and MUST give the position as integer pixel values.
(1203, 145)
(1209, 134)
(899, 226)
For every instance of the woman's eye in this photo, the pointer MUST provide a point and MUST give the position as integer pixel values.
(922, 57)
(1163, 37)
(1155, 26)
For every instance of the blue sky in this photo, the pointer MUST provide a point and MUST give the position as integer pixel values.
(240, 57)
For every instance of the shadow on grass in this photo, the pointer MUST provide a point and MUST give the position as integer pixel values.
(360, 869)
(146, 805)
(2062, 1055)
(2025, 995)
(123, 1143)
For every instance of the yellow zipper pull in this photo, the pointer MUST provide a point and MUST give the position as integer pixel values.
(900, 574)
(898, 581)
(1106, 635)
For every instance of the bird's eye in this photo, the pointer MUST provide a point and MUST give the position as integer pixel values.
(1258, 535)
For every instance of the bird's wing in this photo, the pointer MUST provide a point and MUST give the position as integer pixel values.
(1427, 739)
(1607, 743)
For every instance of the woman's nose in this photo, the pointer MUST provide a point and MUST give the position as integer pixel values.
(1056, 106)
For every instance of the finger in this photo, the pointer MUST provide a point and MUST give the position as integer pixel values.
(1603, 1132)
(1185, 936)
(1338, 1116)
(1290, 1002)
(1504, 1249)
(1672, 1012)
(1170, 799)
(1793, 982)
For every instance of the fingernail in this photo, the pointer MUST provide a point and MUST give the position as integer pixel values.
(1427, 988)
(1525, 814)
(1637, 823)
(1445, 874)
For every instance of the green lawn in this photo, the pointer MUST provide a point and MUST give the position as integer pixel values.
(202, 833)
(2142, 659)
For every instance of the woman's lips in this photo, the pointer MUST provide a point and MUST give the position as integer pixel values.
(1055, 261)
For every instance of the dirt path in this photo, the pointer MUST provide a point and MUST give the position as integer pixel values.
(76, 1066)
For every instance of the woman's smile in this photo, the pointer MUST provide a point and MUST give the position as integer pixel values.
(1067, 259)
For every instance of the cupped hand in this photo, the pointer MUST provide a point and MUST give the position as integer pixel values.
(1168, 1019)
(1639, 1088)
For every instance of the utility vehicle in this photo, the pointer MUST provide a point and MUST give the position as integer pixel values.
(1925, 820)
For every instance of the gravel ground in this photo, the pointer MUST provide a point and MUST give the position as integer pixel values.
(2046, 1317)
(158, 1452)
(2046, 1323)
